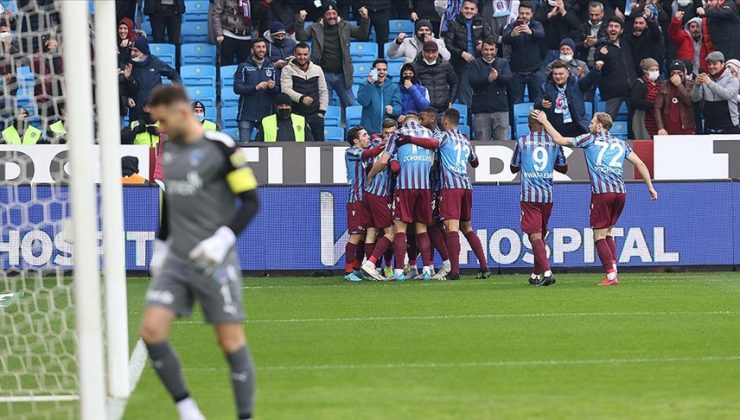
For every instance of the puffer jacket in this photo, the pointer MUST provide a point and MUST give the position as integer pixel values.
(148, 74)
(374, 98)
(456, 38)
(296, 83)
(724, 25)
(227, 15)
(487, 96)
(440, 80)
(152, 6)
(255, 104)
(720, 101)
(346, 31)
(414, 99)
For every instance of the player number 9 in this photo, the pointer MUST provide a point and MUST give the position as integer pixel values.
(540, 158)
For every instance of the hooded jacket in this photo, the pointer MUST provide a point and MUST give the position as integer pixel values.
(255, 104)
(724, 26)
(124, 53)
(374, 98)
(148, 74)
(687, 48)
(296, 83)
(346, 31)
(277, 52)
(720, 101)
(648, 45)
(440, 80)
(412, 47)
(414, 99)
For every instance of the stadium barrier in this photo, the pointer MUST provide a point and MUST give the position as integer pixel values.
(304, 228)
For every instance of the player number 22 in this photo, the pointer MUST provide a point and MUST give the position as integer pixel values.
(604, 146)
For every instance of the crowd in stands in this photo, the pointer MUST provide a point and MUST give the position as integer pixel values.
(306, 70)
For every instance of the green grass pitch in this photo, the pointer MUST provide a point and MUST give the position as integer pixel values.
(659, 346)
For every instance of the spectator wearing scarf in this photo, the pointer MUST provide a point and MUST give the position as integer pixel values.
(234, 23)
(644, 92)
(563, 98)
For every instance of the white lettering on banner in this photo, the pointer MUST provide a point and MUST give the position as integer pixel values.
(635, 246)
(528, 257)
(673, 154)
(659, 244)
(340, 169)
(36, 247)
(313, 173)
(588, 244)
(557, 176)
(515, 246)
(331, 251)
(484, 172)
(275, 165)
(140, 239)
(562, 246)
(11, 248)
(251, 153)
(64, 250)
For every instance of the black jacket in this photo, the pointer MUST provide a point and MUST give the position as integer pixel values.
(375, 5)
(583, 32)
(456, 38)
(724, 27)
(559, 26)
(648, 45)
(152, 6)
(618, 72)
(525, 49)
(425, 10)
(439, 79)
(487, 96)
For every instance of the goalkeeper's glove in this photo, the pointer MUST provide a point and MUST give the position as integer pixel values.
(158, 256)
(211, 253)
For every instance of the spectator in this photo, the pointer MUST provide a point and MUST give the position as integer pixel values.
(618, 72)
(734, 67)
(235, 25)
(410, 48)
(126, 38)
(57, 133)
(424, 9)
(489, 77)
(718, 89)
(645, 40)
(256, 82)
(127, 88)
(378, 11)
(688, 41)
(563, 98)
(437, 76)
(524, 35)
(414, 96)
(331, 38)
(449, 14)
(125, 9)
(464, 37)
(165, 16)
(130, 171)
(278, 11)
(559, 20)
(48, 67)
(147, 73)
(644, 92)
(199, 111)
(21, 131)
(283, 125)
(576, 67)
(724, 22)
(141, 133)
(379, 97)
(279, 46)
(591, 32)
(674, 110)
(304, 82)
(8, 60)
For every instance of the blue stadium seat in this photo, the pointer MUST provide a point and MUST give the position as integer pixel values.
(333, 116)
(354, 115)
(397, 26)
(623, 113)
(465, 130)
(205, 94)
(522, 129)
(198, 75)
(619, 130)
(463, 109)
(363, 50)
(198, 54)
(228, 116)
(589, 109)
(526, 93)
(146, 26)
(334, 99)
(355, 89)
(194, 32)
(196, 11)
(394, 70)
(600, 106)
(228, 97)
(334, 134)
(362, 69)
(522, 111)
(165, 52)
(227, 75)
(232, 132)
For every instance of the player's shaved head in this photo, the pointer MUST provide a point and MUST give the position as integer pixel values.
(170, 106)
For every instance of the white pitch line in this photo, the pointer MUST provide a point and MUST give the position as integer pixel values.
(117, 406)
(473, 316)
(490, 363)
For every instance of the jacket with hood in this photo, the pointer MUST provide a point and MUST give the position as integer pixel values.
(720, 101)
(296, 83)
(487, 96)
(148, 74)
(277, 52)
(346, 31)
(415, 98)
(226, 15)
(456, 38)
(124, 53)
(374, 98)
(687, 48)
(575, 89)
(440, 79)
(412, 47)
(255, 104)
(724, 25)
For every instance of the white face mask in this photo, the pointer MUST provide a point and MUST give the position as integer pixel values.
(566, 58)
(653, 75)
(430, 63)
(138, 58)
(200, 117)
(683, 3)
(552, 3)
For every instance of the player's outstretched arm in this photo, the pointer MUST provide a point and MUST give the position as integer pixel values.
(644, 172)
(560, 140)
(379, 165)
(423, 142)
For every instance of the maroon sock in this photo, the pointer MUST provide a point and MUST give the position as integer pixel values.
(453, 245)
(425, 248)
(399, 248)
(359, 255)
(438, 241)
(350, 252)
(477, 247)
(612, 247)
(413, 251)
(605, 255)
(369, 247)
(540, 257)
(380, 248)
(389, 256)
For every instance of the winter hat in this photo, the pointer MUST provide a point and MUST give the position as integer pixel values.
(676, 65)
(646, 63)
(130, 25)
(277, 27)
(282, 99)
(431, 46)
(569, 42)
(331, 5)
(715, 56)
(199, 104)
(734, 63)
(142, 45)
(129, 165)
(422, 22)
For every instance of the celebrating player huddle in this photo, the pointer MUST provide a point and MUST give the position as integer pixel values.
(424, 170)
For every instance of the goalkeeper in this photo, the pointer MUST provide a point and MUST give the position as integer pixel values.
(194, 257)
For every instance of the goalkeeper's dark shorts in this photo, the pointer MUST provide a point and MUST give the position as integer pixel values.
(180, 283)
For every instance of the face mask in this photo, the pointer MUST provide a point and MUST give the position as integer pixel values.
(283, 114)
(683, 3)
(653, 75)
(137, 59)
(566, 58)
(552, 3)
(200, 117)
(430, 63)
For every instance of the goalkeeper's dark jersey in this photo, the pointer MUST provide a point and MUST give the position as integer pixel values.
(201, 182)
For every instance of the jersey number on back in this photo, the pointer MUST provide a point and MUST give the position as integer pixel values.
(604, 146)
(463, 151)
(540, 158)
